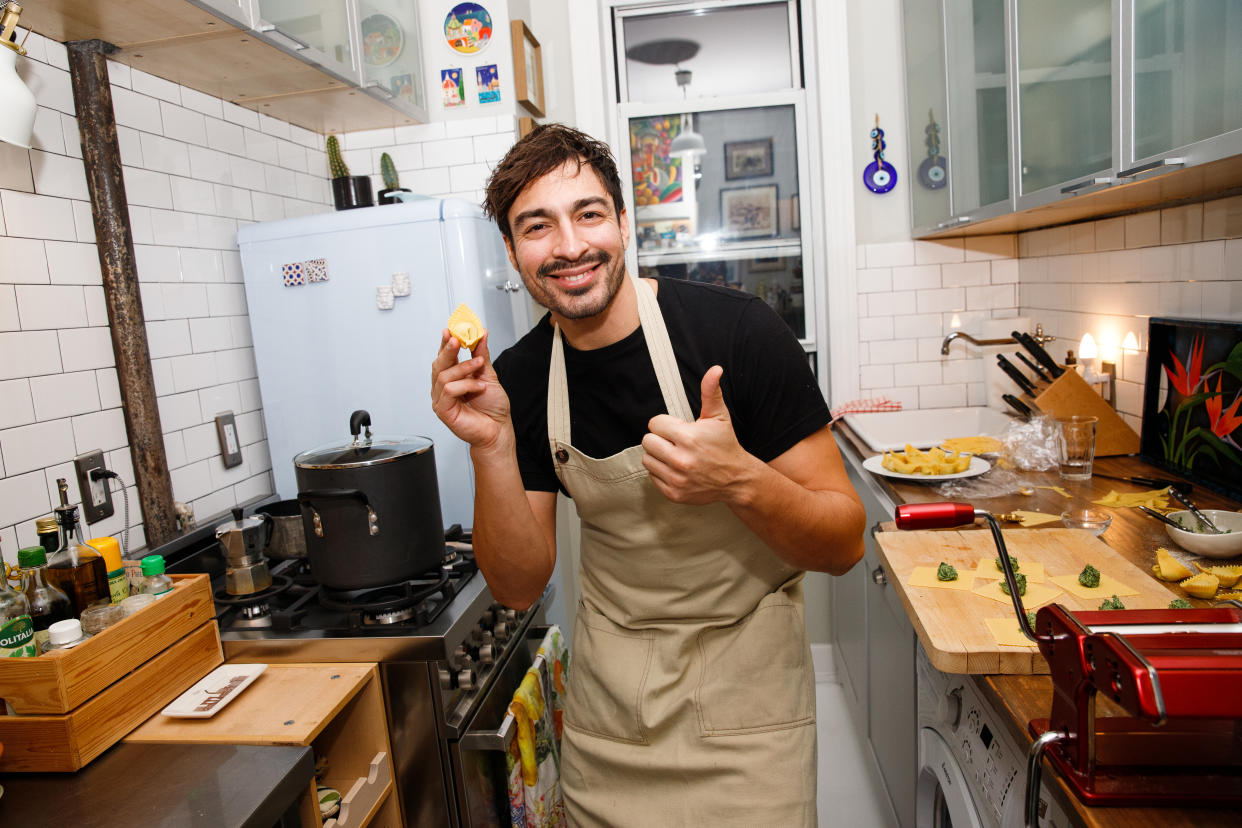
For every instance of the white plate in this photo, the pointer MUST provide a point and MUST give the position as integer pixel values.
(222, 684)
(874, 465)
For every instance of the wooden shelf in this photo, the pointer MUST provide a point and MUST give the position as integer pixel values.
(182, 43)
(337, 709)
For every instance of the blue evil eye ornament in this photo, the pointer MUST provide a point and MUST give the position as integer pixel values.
(934, 171)
(879, 176)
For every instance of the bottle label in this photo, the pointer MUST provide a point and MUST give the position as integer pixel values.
(17, 638)
(118, 586)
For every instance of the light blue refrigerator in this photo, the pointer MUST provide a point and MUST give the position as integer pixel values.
(324, 346)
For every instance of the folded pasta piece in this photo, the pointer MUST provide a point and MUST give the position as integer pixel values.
(1169, 568)
(466, 326)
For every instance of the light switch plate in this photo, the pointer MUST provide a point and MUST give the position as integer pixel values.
(96, 496)
(230, 443)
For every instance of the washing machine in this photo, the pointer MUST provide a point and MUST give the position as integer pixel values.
(971, 773)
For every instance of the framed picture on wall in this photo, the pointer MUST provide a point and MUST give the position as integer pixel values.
(748, 159)
(525, 125)
(527, 69)
(749, 212)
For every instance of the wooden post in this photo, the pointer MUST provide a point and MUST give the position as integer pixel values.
(101, 156)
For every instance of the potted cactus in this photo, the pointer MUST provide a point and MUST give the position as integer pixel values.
(392, 183)
(348, 191)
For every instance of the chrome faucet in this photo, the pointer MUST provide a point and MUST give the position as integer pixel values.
(1038, 337)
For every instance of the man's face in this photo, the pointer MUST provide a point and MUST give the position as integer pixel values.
(568, 242)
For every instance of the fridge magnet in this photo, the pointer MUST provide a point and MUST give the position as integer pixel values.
(382, 40)
(934, 171)
(384, 297)
(1192, 401)
(293, 274)
(527, 68)
(468, 28)
(452, 88)
(879, 176)
(748, 159)
(316, 270)
(749, 212)
(401, 284)
(489, 83)
(657, 172)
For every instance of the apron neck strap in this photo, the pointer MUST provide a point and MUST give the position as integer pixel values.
(663, 360)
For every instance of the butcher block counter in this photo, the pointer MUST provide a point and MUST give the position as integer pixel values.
(1131, 538)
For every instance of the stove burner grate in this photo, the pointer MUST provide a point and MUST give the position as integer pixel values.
(393, 603)
(279, 584)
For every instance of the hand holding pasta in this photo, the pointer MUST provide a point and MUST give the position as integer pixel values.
(465, 326)
(933, 461)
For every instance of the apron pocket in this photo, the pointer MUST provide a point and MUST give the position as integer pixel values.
(754, 673)
(608, 678)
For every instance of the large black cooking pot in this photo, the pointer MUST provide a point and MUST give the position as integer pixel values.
(370, 508)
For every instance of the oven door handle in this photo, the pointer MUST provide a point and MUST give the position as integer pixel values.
(501, 738)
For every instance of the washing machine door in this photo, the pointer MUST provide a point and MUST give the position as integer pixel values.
(943, 797)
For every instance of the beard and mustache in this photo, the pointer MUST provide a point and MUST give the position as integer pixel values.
(572, 302)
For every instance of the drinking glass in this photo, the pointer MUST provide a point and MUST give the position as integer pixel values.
(1076, 446)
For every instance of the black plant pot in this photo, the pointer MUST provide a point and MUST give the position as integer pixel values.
(352, 191)
(386, 198)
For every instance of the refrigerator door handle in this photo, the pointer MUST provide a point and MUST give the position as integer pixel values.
(510, 286)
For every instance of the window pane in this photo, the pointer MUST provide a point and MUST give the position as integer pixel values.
(729, 51)
(775, 279)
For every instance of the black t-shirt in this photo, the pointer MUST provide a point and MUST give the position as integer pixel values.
(768, 386)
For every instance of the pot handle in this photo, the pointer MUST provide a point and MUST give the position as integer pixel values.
(306, 501)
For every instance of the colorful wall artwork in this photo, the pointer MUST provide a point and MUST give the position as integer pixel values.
(488, 80)
(657, 174)
(468, 28)
(453, 88)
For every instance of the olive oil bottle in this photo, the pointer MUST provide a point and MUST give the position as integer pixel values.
(76, 569)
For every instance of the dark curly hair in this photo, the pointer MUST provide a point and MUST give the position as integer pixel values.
(546, 148)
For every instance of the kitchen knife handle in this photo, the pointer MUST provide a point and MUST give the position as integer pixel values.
(934, 515)
(1039, 372)
(1017, 405)
(1038, 351)
(1017, 376)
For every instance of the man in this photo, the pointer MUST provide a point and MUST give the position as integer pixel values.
(691, 696)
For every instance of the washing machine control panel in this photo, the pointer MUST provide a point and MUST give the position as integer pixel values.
(994, 767)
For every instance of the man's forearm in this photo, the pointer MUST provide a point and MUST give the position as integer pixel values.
(510, 545)
(820, 530)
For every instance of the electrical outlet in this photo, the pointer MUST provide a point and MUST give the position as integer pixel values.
(96, 497)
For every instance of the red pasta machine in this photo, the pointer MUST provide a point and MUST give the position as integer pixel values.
(1176, 673)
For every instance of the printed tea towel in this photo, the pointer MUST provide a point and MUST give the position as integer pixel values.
(534, 755)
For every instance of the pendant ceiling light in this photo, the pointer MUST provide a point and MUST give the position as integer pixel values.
(17, 103)
(673, 52)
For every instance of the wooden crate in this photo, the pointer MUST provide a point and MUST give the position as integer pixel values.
(74, 704)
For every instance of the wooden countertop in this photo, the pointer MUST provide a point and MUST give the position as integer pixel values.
(1133, 535)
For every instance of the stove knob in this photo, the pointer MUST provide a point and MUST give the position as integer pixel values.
(488, 638)
(486, 655)
(465, 679)
(460, 654)
(489, 617)
(501, 631)
(446, 679)
(476, 635)
(511, 616)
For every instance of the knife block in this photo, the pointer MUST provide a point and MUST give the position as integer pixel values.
(1069, 394)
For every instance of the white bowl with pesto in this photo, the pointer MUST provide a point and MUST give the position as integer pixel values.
(1227, 545)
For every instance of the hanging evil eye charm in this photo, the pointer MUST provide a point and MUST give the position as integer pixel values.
(879, 176)
(933, 172)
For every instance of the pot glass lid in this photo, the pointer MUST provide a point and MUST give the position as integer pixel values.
(379, 450)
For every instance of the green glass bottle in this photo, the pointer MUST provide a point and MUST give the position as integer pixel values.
(16, 629)
(47, 603)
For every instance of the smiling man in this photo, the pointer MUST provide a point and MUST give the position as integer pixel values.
(685, 423)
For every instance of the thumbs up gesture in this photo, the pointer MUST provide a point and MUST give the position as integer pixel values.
(700, 462)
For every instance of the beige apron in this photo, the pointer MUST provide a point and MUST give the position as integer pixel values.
(691, 695)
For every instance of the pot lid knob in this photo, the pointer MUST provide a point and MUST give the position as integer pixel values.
(357, 421)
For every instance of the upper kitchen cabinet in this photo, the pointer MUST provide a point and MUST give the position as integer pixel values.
(1064, 52)
(308, 63)
(1063, 110)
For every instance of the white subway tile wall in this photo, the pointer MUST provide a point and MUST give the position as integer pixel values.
(1105, 277)
(196, 168)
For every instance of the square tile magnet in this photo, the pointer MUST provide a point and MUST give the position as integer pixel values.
(316, 270)
(294, 274)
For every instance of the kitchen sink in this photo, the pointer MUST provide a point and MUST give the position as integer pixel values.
(926, 427)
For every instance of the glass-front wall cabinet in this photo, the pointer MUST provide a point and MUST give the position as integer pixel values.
(391, 51)
(926, 117)
(1187, 69)
(978, 101)
(321, 26)
(711, 122)
(1065, 93)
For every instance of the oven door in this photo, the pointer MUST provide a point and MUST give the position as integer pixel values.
(478, 757)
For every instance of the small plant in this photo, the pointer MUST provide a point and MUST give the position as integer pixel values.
(388, 171)
(336, 163)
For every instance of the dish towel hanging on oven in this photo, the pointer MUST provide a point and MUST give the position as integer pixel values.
(534, 755)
